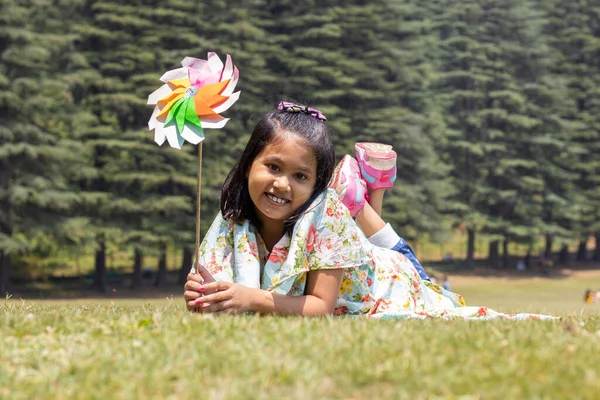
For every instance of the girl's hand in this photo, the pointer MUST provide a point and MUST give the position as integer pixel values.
(193, 284)
(224, 297)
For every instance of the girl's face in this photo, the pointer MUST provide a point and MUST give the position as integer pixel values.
(281, 179)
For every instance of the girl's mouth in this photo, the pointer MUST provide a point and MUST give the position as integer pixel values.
(275, 199)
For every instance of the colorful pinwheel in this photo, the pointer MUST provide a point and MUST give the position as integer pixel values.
(192, 98)
(190, 101)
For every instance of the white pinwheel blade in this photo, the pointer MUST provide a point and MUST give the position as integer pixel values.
(192, 62)
(159, 94)
(192, 134)
(213, 124)
(174, 74)
(214, 62)
(228, 103)
(231, 86)
(228, 70)
(153, 121)
(159, 134)
(172, 136)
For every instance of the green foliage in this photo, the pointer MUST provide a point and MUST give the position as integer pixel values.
(492, 108)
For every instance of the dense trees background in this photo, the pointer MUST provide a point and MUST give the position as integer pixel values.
(493, 108)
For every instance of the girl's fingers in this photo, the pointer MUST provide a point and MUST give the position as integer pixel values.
(191, 295)
(192, 306)
(216, 286)
(215, 297)
(221, 306)
(193, 285)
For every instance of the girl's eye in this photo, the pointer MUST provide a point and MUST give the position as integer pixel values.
(301, 176)
(273, 167)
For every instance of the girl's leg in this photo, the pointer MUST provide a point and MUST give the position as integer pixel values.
(347, 183)
(382, 234)
(369, 221)
(376, 200)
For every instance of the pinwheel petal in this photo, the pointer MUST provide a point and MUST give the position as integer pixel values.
(174, 74)
(173, 99)
(214, 124)
(152, 121)
(205, 76)
(173, 112)
(232, 83)
(215, 63)
(173, 137)
(192, 134)
(191, 117)
(228, 103)
(159, 94)
(180, 83)
(228, 70)
(192, 62)
(159, 134)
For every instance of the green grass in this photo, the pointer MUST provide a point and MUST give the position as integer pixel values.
(154, 349)
(536, 295)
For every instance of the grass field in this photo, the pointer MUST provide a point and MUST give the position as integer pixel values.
(121, 349)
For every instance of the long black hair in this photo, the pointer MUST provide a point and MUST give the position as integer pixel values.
(236, 204)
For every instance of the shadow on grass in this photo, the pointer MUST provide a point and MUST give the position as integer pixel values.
(482, 269)
(81, 287)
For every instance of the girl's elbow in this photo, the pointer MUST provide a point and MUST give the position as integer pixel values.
(328, 308)
(320, 308)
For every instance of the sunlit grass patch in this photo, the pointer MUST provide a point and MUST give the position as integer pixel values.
(160, 351)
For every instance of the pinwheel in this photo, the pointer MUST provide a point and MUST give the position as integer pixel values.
(190, 101)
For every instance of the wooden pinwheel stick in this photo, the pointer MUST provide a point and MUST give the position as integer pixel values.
(196, 262)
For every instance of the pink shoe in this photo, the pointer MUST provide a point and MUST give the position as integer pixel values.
(377, 164)
(347, 183)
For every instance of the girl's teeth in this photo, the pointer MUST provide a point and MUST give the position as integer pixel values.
(276, 199)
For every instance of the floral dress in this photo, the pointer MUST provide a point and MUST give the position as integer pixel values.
(377, 282)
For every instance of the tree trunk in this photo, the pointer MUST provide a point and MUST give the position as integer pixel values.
(493, 255)
(527, 259)
(563, 256)
(100, 268)
(582, 250)
(505, 254)
(138, 266)
(4, 274)
(597, 249)
(6, 227)
(186, 265)
(470, 248)
(161, 274)
(548, 249)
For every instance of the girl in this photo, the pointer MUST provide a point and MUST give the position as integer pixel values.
(285, 243)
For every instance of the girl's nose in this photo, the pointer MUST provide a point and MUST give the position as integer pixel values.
(282, 183)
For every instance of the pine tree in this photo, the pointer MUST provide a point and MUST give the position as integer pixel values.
(36, 158)
(494, 93)
(575, 35)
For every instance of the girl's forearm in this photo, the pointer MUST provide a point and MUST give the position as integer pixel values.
(265, 302)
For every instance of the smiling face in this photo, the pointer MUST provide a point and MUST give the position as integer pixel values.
(280, 180)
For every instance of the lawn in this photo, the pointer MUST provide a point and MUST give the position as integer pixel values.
(154, 349)
(562, 294)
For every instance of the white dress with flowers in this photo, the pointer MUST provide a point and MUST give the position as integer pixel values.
(377, 282)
